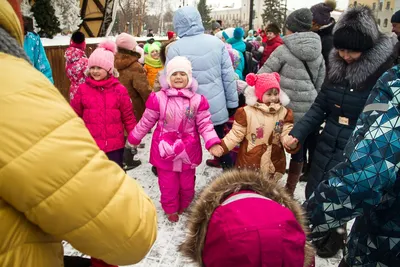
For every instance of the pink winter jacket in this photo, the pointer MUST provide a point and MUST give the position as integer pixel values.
(106, 109)
(75, 65)
(181, 116)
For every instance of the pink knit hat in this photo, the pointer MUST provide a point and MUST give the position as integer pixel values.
(126, 41)
(179, 64)
(263, 82)
(103, 56)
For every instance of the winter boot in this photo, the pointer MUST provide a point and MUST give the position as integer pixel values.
(174, 217)
(306, 172)
(293, 176)
(216, 163)
(130, 160)
(331, 243)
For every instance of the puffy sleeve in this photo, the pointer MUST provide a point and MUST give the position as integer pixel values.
(273, 63)
(128, 118)
(150, 117)
(237, 133)
(62, 182)
(359, 183)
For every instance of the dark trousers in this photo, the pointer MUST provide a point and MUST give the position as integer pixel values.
(117, 156)
(226, 160)
(343, 264)
(309, 145)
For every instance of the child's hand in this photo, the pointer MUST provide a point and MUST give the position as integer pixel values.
(216, 151)
(290, 142)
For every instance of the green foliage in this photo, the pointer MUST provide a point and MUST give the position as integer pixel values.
(204, 11)
(45, 18)
(273, 13)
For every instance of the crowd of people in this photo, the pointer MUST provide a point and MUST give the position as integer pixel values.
(324, 91)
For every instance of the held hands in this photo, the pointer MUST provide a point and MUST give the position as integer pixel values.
(290, 142)
(216, 151)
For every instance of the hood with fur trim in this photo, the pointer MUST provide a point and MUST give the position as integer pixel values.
(362, 19)
(214, 195)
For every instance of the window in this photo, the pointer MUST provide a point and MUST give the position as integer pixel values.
(380, 6)
(385, 23)
(387, 5)
(379, 22)
(373, 6)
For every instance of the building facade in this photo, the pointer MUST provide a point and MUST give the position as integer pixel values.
(383, 11)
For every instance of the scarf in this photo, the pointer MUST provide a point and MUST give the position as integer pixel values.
(155, 63)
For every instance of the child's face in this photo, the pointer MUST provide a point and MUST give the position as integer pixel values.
(98, 73)
(270, 35)
(271, 96)
(179, 80)
(155, 54)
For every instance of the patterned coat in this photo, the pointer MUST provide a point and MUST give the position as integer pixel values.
(260, 129)
(366, 186)
(75, 66)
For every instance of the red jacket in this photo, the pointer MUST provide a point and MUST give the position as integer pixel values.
(106, 109)
(270, 47)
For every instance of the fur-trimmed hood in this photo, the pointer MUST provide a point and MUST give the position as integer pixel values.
(215, 194)
(361, 19)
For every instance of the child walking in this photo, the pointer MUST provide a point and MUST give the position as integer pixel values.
(261, 126)
(181, 116)
(152, 63)
(104, 104)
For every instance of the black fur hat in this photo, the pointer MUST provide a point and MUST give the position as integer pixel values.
(356, 30)
(78, 37)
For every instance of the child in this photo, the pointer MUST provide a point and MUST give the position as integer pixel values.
(133, 76)
(261, 126)
(181, 115)
(243, 220)
(76, 62)
(104, 104)
(152, 63)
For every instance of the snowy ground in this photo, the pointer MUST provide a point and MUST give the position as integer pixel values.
(164, 252)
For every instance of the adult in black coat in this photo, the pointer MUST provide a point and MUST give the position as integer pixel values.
(361, 55)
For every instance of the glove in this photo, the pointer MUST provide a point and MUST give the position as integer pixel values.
(231, 111)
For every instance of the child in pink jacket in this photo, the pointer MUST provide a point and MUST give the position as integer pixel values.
(181, 116)
(104, 104)
(76, 62)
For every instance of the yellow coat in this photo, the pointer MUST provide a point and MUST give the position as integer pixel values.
(55, 183)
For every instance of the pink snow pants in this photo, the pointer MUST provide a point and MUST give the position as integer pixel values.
(177, 189)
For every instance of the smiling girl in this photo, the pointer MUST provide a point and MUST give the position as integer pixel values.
(182, 116)
(152, 63)
(104, 104)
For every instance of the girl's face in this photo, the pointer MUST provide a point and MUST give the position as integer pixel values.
(270, 35)
(271, 96)
(179, 80)
(98, 73)
(349, 56)
(155, 54)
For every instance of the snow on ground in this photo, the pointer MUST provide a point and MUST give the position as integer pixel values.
(170, 235)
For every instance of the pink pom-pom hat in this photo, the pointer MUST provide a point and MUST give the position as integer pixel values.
(103, 56)
(263, 82)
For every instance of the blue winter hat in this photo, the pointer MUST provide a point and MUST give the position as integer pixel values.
(238, 33)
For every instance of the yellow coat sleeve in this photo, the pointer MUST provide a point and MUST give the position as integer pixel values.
(52, 171)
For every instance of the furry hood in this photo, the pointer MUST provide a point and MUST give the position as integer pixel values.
(361, 19)
(369, 62)
(123, 61)
(215, 194)
(251, 98)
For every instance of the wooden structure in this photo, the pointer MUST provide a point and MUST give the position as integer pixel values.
(97, 16)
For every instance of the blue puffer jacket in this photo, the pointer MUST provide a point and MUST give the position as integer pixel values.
(212, 66)
(366, 186)
(34, 49)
